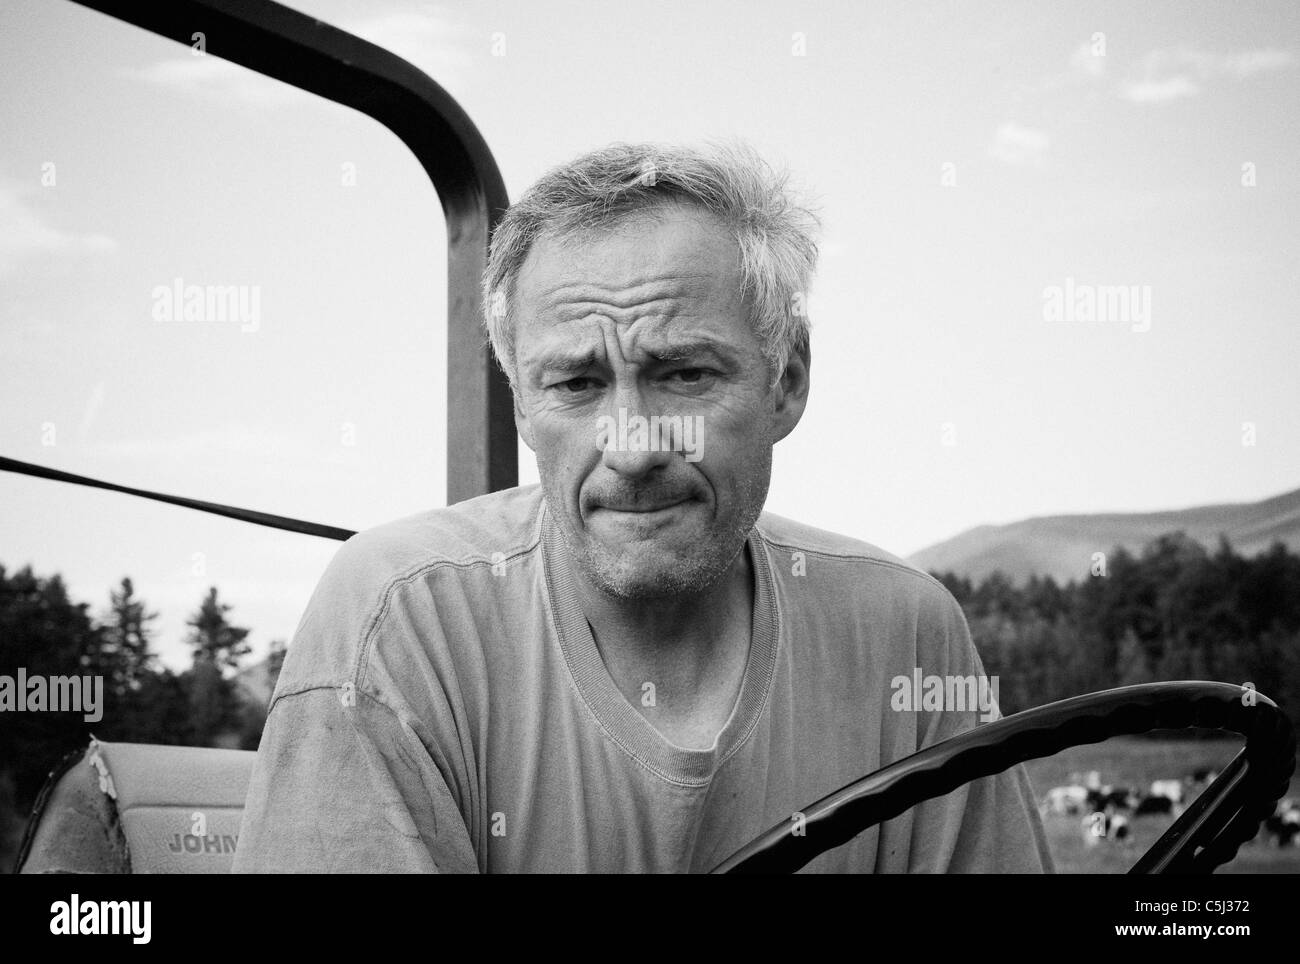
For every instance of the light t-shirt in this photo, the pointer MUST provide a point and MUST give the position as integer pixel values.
(444, 707)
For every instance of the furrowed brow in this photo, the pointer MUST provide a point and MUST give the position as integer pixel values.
(561, 362)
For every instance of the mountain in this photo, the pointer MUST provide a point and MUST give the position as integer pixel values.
(1062, 546)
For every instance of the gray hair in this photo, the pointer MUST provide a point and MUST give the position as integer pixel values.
(774, 232)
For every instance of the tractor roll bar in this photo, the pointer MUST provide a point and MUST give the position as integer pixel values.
(482, 453)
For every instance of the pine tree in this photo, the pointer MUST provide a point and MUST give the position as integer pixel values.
(123, 657)
(218, 646)
(213, 637)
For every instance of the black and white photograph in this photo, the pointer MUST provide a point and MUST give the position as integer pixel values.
(558, 437)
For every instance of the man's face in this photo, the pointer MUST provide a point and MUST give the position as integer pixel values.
(642, 319)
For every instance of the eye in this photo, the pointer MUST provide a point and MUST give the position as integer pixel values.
(575, 385)
(690, 376)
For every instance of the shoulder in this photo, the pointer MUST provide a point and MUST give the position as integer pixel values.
(857, 611)
(393, 571)
(481, 531)
(852, 596)
(839, 562)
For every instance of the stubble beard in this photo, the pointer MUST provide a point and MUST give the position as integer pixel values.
(687, 573)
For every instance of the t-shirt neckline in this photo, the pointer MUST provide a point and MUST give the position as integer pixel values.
(619, 718)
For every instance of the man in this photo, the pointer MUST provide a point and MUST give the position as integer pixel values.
(630, 667)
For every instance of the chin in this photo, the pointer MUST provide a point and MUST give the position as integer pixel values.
(644, 573)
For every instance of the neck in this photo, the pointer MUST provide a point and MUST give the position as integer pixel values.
(692, 648)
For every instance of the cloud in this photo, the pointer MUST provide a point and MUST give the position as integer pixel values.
(1257, 61)
(1167, 75)
(1086, 61)
(209, 76)
(431, 42)
(1013, 144)
(428, 41)
(1164, 75)
(24, 232)
(1159, 91)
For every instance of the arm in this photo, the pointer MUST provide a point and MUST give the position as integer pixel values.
(341, 785)
(357, 764)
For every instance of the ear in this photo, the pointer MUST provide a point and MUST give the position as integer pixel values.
(792, 392)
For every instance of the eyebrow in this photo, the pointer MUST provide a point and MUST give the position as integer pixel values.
(684, 350)
(570, 361)
(564, 362)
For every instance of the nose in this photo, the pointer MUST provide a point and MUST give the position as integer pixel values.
(630, 447)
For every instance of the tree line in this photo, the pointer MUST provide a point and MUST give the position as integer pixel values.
(1173, 611)
(45, 633)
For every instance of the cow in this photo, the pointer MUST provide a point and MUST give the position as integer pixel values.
(1166, 796)
(1173, 789)
(1070, 799)
(1119, 829)
(1154, 804)
(1284, 823)
(1105, 825)
(1112, 798)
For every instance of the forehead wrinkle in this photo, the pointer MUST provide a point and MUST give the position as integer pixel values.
(580, 345)
(670, 287)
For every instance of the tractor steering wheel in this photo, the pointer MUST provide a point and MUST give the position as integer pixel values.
(1225, 815)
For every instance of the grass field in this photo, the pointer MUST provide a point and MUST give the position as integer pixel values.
(1135, 762)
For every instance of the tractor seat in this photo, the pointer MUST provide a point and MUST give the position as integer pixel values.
(134, 808)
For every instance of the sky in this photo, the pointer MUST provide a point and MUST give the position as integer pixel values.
(981, 171)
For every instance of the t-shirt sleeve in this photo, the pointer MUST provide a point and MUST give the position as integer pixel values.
(350, 775)
(990, 825)
(341, 785)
